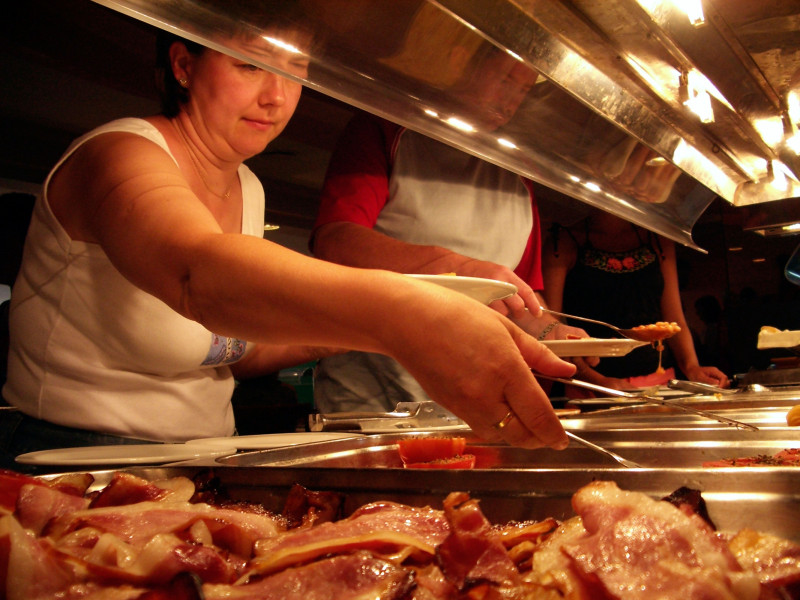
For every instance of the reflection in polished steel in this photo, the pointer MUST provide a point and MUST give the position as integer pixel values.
(625, 105)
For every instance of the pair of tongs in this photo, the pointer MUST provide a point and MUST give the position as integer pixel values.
(648, 399)
(406, 416)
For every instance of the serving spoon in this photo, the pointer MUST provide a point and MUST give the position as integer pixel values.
(649, 333)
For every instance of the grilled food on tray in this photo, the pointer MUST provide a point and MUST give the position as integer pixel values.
(176, 539)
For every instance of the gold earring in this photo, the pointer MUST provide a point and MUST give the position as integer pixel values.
(183, 81)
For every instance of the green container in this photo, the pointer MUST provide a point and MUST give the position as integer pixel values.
(301, 378)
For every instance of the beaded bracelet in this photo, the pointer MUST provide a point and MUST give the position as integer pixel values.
(550, 326)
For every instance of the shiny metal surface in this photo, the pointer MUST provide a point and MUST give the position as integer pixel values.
(650, 448)
(765, 410)
(764, 499)
(606, 121)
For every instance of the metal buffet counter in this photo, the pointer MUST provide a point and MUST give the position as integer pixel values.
(520, 484)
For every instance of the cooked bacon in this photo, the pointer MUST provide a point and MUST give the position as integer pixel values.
(10, 484)
(304, 507)
(30, 569)
(515, 532)
(653, 549)
(776, 561)
(473, 552)
(125, 488)
(37, 505)
(620, 545)
(234, 530)
(185, 586)
(691, 501)
(158, 562)
(552, 571)
(383, 527)
(346, 577)
(431, 584)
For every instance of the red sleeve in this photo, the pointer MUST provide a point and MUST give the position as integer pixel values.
(529, 268)
(356, 186)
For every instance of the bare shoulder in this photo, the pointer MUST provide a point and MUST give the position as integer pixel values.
(113, 164)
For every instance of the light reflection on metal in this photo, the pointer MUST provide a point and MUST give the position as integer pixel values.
(459, 124)
(718, 181)
(606, 101)
(693, 10)
(770, 129)
(291, 48)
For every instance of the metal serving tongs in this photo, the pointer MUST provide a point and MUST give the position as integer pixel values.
(406, 416)
(623, 461)
(648, 399)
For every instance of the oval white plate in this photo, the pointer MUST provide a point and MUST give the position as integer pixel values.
(592, 347)
(124, 454)
(272, 440)
(482, 290)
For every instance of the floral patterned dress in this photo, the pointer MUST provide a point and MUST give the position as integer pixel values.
(623, 288)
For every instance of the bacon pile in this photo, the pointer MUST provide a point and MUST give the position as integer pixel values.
(143, 540)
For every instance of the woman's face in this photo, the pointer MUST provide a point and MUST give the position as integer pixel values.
(237, 107)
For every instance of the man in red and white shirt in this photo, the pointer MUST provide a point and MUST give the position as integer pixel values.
(395, 199)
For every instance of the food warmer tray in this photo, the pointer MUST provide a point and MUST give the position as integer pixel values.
(764, 410)
(764, 499)
(652, 449)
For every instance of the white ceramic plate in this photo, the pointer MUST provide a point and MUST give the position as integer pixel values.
(482, 290)
(592, 347)
(272, 440)
(125, 454)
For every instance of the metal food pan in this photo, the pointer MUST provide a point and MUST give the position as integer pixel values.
(655, 449)
(609, 414)
(764, 499)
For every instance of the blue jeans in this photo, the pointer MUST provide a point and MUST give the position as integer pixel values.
(20, 434)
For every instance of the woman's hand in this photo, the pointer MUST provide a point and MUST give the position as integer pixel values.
(478, 365)
(710, 375)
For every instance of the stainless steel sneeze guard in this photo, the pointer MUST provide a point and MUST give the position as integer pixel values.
(606, 121)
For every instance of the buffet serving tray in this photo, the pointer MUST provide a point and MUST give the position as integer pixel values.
(608, 413)
(652, 449)
(765, 499)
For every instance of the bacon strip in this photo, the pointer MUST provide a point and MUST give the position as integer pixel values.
(347, 577)
(38, 505)
(473, 552)
(775, 560)
(137, 523)
(652, 549)
(383, 527)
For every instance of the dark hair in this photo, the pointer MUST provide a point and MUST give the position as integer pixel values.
(173, 95)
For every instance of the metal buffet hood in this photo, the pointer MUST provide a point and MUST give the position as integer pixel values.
(639, 107)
